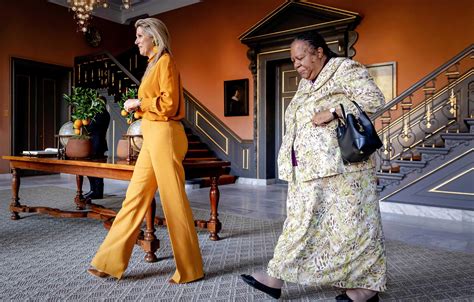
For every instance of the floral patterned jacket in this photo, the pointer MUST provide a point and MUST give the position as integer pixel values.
(317, 152)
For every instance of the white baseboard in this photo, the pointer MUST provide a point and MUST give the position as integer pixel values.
(255, 181)
(4, 176)
(427, 211)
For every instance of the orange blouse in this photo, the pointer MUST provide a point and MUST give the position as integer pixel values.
(161, 92)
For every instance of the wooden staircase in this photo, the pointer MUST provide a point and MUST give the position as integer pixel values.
(198, 151)
(423, 155)
(112, 76)
(427, 156)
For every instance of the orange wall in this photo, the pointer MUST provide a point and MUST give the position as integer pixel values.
(44, 32)
(419, 35)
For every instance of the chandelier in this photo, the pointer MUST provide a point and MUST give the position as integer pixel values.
(83, 9)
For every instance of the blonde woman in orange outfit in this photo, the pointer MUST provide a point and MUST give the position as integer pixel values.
(159, 165)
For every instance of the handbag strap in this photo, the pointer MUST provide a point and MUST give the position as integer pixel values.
(343, 112)
(358, 107)
(342, 119)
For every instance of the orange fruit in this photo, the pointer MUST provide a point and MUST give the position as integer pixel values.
(123, 112)
(129, 121)
(77, 131)
(137, 115)
(86, 122)
(77, 124)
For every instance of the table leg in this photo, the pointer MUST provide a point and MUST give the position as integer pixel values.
(15, 189)
(79, 199)
(150, 243)
(214, 225)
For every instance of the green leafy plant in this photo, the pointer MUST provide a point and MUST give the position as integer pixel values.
(133, 115)
(85, 104)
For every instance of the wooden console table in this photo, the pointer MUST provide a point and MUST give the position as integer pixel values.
(119, 170)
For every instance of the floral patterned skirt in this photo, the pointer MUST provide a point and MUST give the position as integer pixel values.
(332, 234)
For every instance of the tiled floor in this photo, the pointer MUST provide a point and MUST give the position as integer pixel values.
(268, 202)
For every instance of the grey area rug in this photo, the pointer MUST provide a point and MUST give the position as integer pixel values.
(45, 259)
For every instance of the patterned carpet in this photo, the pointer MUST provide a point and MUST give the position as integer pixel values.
(44, 259)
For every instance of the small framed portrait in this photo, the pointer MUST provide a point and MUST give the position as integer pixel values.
(236, 97)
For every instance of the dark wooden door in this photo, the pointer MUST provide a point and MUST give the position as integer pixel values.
(287, 83)
(38, 108)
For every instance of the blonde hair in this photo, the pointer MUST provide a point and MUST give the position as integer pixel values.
(156, 30)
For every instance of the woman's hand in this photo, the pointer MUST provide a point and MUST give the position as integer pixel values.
(322, 118)
(131, 105)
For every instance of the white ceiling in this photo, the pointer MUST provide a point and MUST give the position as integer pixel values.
(114, 12)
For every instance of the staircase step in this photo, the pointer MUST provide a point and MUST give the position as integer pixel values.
(454, 139)
(196, 145)
(192, 137)
(390, 176)
(428, 153)
(210, 158)
(457, 136)
(411, 156)
(411, 163)
(431, 150)
(469, 123)
(387, 179)
(407, 166)
(198, 153)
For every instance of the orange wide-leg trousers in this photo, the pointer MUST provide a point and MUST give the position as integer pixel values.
(159, 166)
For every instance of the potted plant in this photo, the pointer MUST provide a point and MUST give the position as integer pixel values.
(85, 104)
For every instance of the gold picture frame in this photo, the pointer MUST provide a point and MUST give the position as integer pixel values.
(236, 97)
(385, 76)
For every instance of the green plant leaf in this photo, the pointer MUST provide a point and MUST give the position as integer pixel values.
(130, 93)
(85, 103)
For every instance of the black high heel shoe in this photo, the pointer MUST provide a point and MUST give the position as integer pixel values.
(345, 298)
(273, 292)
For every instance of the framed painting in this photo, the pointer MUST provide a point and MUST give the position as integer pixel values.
(236, 97)
(385, 76)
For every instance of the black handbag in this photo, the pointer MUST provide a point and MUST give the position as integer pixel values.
(357, 137)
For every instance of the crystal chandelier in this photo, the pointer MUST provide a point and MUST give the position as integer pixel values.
(83, 9)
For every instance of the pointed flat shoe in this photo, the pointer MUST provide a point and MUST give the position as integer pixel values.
(345, 298)
(96, 273)
(271, 291)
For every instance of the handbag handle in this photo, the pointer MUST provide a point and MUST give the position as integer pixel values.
(358, 107)
(343, 117)
(344, 111)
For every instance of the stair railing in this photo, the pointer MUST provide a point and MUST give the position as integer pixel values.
(436, 104)
(103, 71)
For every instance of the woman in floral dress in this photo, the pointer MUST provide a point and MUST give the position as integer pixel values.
(333, 233)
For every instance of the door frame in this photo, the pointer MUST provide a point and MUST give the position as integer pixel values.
(14, 62)
(265, 133)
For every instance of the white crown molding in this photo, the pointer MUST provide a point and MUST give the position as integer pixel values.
(153, 7)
